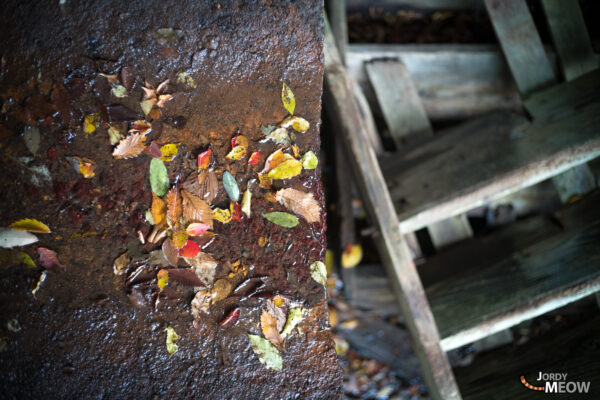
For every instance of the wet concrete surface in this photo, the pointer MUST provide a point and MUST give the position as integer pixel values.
(82, 334)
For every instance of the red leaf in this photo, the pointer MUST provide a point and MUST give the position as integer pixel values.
(185, 277)
(204, 159)
(49, 259)
(233, 141)
(254, 158)
(236, 211)
(190, 249)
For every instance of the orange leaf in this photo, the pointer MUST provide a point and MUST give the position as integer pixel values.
(196, 210)
(268, 324)
(162, 278)
(300, 203)
(273, 160)
(159, 209)
(174, 207)
(131, 146)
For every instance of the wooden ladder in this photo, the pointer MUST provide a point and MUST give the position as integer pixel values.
(459, 169)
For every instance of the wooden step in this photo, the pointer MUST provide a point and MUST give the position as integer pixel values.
(484, 159)
(534, 280)
(573, 349)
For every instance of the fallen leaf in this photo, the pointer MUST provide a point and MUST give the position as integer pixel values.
(174, 206)
(236, 153)
(140, 126)
(274, 307)
(10, 238)
(222, 215)
(162, 86)
(162, 278)
(186, 79)
(85, 167)
(114, 135)
(295, 150)
(197, 228)
(204, 159)
(196, 210)
(204, 266)
(268, 324)
(288, 99)
(231, 186)
(185, 277)
(352, 256)
(31, 136)
(172, 336)
(231, 317)
(26, 259)
(279, 136)
(147, 105)
(286, 169)
(119, 91)
(254, 158)
(273, 160)
(204, 185)
(30, 225)
(262, 241)
(267, 129)
(294, 317)
(318, 271)
(267, 353)
(246, 199)
(110, 78)
(13, 325)
(156, 257)
(282, 219)
(153, 150)
(121, 263)
(264, 181)
(299, 124)
(179, 239)
(300, 203)
(159, 209)
(190, 249)
(159, 177)
(163, 99)
(169, 151)
(90, 123)
(309, 160)
(236, 211)
(201, 302)
(170, 252)
(49, 259)
(131, 146)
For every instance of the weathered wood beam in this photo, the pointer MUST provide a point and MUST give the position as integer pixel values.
(411, 296)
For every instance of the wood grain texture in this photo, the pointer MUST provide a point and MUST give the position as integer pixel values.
(410, 293)
(521, 45)
(462, 169)
(570, 37)
(480, 80)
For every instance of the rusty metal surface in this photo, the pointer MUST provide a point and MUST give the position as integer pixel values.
(82, 336)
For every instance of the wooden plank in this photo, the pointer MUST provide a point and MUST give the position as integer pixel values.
(521, 44)
(339, 25)
(411, 296)
(536, 280)
(399, 100)
(449, 231)
(570, 37)
(572, 349)
(463, 169)
(435, 5)
(480, 80)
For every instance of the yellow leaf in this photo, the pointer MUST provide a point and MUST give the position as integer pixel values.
(296, 150)
(222, 215)
(288, 99)
(264, 181)
(179, 238)
(159, 209)
(86, 167)
(147, 105)
(246, 202)
(236, 153)
(352, 256)
(309, 160)
(30, 225)
(286, 169)
(169, 151)
(298, 123)
(172, 336)
(185, 78)
(162, 278)
(273, 160)
(90, 123)
(262, 241)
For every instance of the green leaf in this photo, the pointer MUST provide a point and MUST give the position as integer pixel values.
(318, 271)
(172, 336)
(294, 317)
(282, 219)
(309, 160)
(231, 186)
(159, 177)
(267, 354)
(27, 259)
(288, 99)
(149, 217)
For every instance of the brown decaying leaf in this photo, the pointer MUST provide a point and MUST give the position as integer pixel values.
(62, 100)
(159, 209)
(268, 324)
(169, 252)
(185, 277)
(131, 146)
(204, 266)
(174, 206)
(300, 203)
(205, 185)
(196, 210)
(278, 313)
(49, 259)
